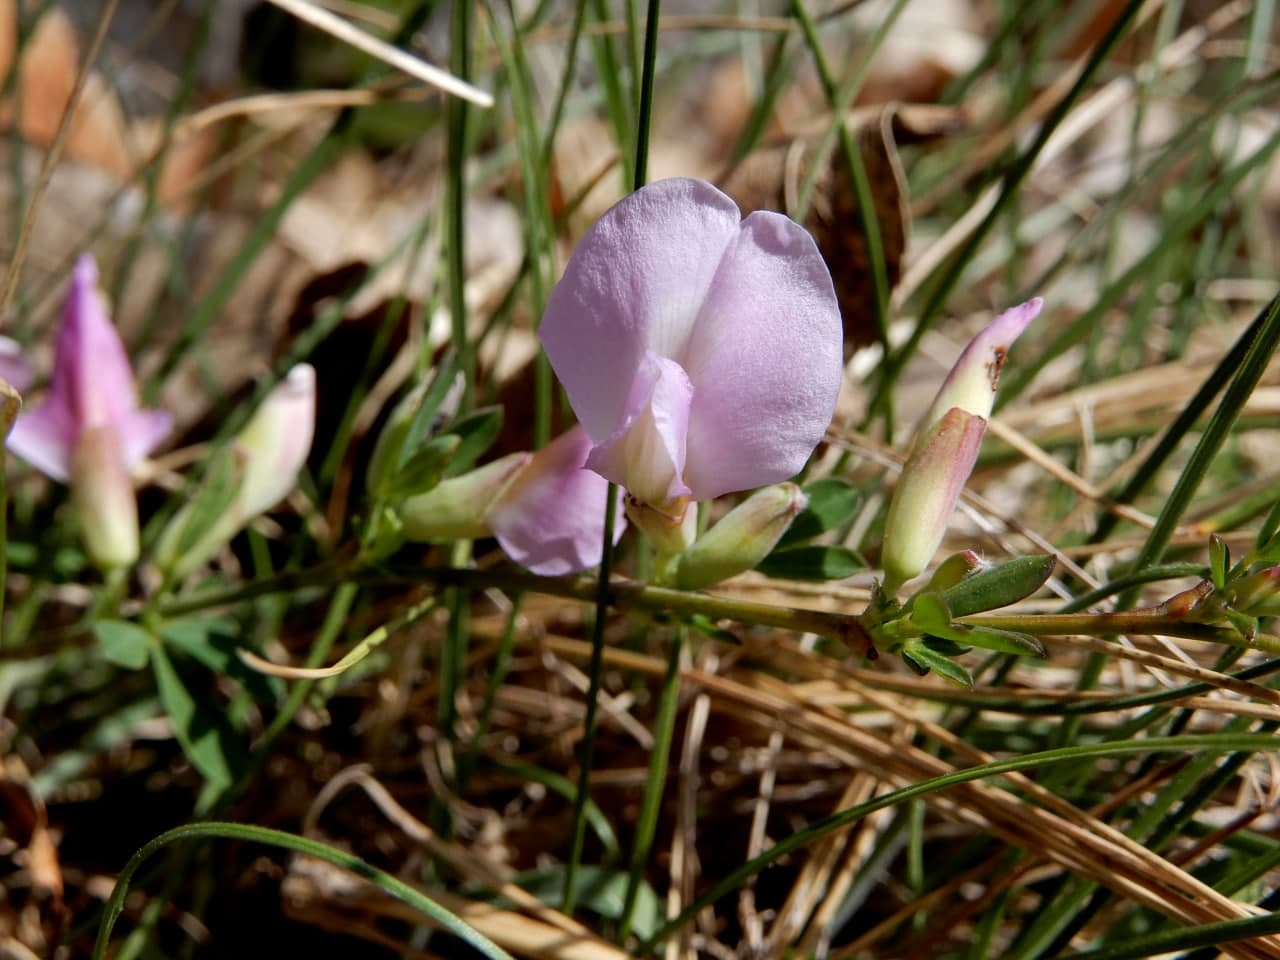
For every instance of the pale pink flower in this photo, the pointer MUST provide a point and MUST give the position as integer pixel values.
(89, 432)
(92, 388)
(701, 351)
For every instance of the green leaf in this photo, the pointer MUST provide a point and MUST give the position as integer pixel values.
(424, 467)
(214, 642)
(832, 503)
(477, 430)
(922, 659)
(1000, 586)
(206, 738)
(946, 646)
(811, 563)
(1005, 641)
(599, 889)
(124, 644)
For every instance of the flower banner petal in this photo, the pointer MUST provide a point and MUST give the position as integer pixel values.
(766, 359)
(635, 283)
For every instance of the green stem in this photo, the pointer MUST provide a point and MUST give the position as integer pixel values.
(664, 728)
(603, 587)
(456, 194)
(594, 671)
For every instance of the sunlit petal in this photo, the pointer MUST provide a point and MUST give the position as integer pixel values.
(765, 361)
(635, 284)
(551, 518)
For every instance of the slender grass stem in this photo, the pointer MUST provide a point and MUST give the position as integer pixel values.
(611, 509)
(664, 725)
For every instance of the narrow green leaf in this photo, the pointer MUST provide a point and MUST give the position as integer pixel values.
(424, 467)
(946, 646)
(811, 563)
(1005, 641)
(1000, 586)
(312, 848)
(708, 628)
(425, 414)
(124, 644)
(832, 502)
(922, 658)
(599, 889)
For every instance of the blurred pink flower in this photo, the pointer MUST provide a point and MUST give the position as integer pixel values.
(701, 352)
(92, 388)
(90, 433)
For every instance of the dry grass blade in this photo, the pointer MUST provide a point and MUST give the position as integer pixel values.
(392, 56)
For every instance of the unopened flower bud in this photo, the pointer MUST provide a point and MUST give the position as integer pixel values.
(458, 508)
(270, 451)
(742, 538)
(971, 384)
(276, 440)
(926, 494)
(103, 496)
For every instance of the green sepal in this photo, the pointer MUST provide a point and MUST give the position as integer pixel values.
(476, 431)
(811, 563)
(930, 612)
(1000, 586)
(424, 467)
(832, 503)
(212, 499)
